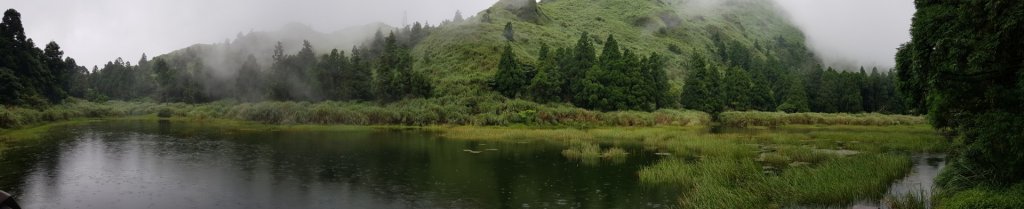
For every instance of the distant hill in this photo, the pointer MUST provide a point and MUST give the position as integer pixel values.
(464, 55)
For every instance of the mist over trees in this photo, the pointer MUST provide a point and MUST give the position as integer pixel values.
(744, 82)
(380, 70)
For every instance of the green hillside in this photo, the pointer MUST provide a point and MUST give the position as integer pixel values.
(464, 55)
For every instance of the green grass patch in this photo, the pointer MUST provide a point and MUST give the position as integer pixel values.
(776, 119)
(984, 197)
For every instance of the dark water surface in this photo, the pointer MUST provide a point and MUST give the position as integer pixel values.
(150, 164)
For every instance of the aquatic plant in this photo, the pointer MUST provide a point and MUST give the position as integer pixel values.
(909, 200)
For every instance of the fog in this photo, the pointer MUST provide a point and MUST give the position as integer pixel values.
(841, 32)
(853, 32)
(94, 32)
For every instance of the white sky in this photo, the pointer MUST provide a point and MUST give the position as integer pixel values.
(857, 32)
(864, 32)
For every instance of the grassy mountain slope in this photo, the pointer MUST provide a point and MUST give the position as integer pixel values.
(463, 56)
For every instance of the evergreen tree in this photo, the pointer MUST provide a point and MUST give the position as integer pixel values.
(331, 75)
(395, 78)
(544, 53)
(813, 85)
(361, 76)
(656, 80)
(303, 86)
(458, 17)
(78, 80)
(736, 88)
(384, 84)
(279, 77)
(864, 84)
(702, 91)
(795, 99)
(762, 97)
(511, 79)
(828, 93)
(849, 92)
(583, 58)
(248, 82)
(509, 34)
(53, 80)
(166, 80)
(547, 85)
(602, 85)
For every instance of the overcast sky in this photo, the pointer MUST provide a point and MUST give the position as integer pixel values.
(857, 32)
(96, 31)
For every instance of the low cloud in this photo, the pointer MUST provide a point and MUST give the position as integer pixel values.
(851, 33)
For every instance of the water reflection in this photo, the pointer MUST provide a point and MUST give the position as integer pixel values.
(133, 164)
(921, 180)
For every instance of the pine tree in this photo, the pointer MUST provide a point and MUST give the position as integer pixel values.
(458, 17)
(166, 79)
(702, 91)
(510, 79)
(509, 34)
(52, 80)
(795, 99)
(384, 80)
(736, 88)
(247, 84)
(547, 85)
(657, 82)
(583, 58)
(362, 76)
(395, 78)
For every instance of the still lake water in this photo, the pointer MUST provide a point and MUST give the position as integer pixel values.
(151, 164)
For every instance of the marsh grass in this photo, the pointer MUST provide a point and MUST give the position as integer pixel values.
(841, 180)
(415, 112)
(909, 200)
(982, 197)
(592, 154)
(584, 151)
(804, 154)
(776, 119)
(755, 168)
(614, 153)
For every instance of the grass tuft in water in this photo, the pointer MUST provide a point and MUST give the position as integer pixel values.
(910, 200)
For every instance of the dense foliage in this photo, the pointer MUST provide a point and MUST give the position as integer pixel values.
(964, 66)
(617, 80)
(31, 76)
(745, 83)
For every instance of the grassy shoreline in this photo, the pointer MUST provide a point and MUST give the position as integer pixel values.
(432, 112)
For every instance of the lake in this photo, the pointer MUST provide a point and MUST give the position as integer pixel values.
(171, 164)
